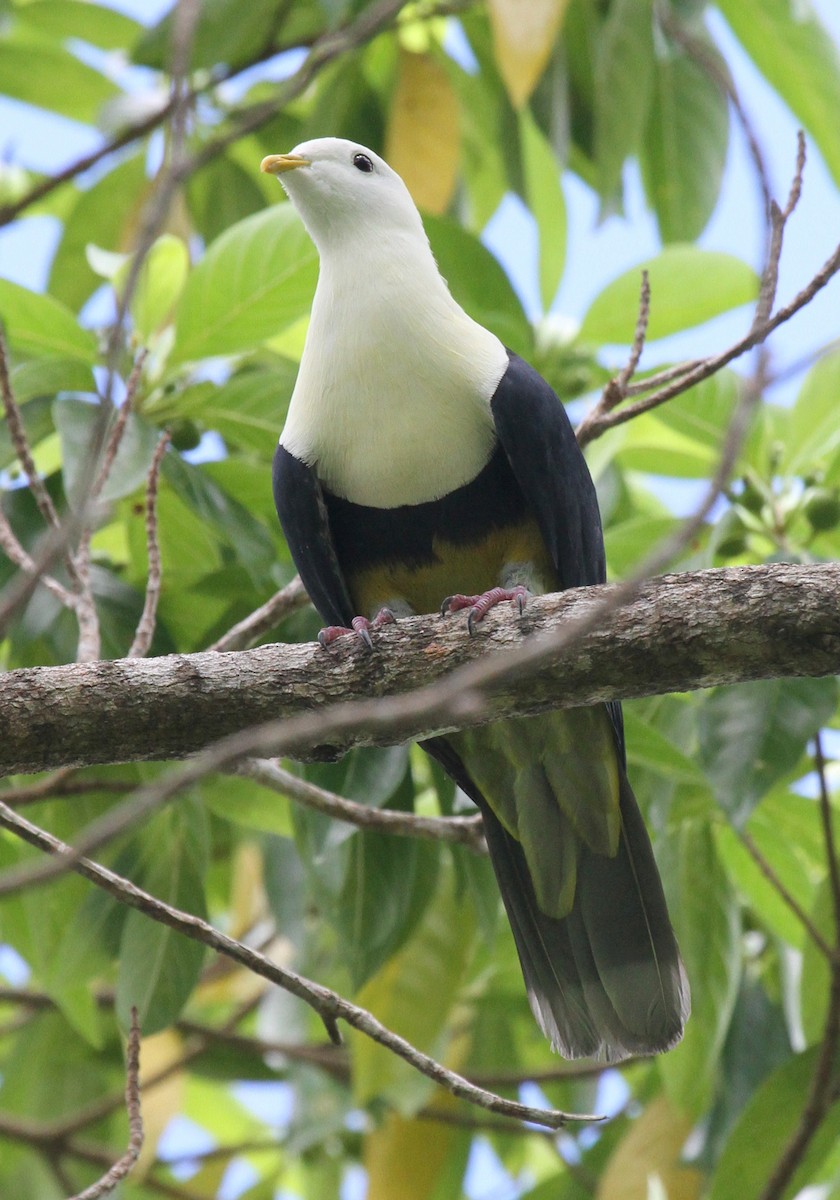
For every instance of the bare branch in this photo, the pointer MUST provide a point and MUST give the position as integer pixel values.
(468, 831)
(118, 428)
(247, 632)
(681, 632)
(707, 367)
(773, 879)
(120, 1170)
(81, 600)
(146, 625)
(328, 1004)
(20, 441)
(676, 380)
(24, 561)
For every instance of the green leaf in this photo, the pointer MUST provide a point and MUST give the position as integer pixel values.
(228, 32)
(254, 281)
(766, 1126)
(814, 433)
(687, 287)
(647, 747)
(159, 284)
(221, 194)
(49, 77)
(244, 802)
(43, 377)
(388, 884)
(547, 204)
(158, 967)
(248, 410)
(38, 325)
(706, 918)
(229, 520)
(781, 36)
(94, 23)
(105, 215)
(624, 79)
(76, 422)
(815, 985)
(752, 734)
(683, 151)
(628, 542)
(478, 283)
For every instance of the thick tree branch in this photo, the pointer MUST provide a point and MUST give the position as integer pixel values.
(679, 632)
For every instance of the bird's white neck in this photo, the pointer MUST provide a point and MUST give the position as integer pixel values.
(392, 400)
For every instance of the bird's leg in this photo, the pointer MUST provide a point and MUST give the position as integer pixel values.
(480, 606)
(360, 626)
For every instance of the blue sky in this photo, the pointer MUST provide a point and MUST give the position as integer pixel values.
(596, 254)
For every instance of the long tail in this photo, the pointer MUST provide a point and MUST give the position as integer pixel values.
(606, 980)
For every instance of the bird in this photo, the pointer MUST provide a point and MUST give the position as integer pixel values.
(424, 466)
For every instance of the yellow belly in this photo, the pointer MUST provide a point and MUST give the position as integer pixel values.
(515, 554)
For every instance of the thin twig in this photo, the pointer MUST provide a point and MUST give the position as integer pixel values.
(615, 390)
(249, 630)
(468, 831)
(121, 1168)
(707, 367)
(21, 558)
(778, 886)
(80, 601)
(330, 1006)
(711, 64)
(52, 546)
(682, 378)
(146, 625)
(20, 442)
(119, 427)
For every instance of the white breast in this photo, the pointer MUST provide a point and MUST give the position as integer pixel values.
(392, 401)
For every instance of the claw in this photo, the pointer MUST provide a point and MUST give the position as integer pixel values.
(360, 626)
(480, 606)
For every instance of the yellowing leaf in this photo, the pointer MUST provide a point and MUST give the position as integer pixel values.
(247, 900)
(651, 1151)
(423, 141)
(523, 36)
(415, 993)
(161, 1101)
(406, 1157)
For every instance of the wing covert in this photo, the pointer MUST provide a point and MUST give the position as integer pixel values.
(303, 516)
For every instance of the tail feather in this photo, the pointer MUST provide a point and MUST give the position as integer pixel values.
(606, 979)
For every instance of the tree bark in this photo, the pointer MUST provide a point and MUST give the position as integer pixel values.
(676, 633)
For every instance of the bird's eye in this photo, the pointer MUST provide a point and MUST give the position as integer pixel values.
(362, 163)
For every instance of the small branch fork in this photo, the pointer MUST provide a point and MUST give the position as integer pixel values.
(468, 831)
(329, 1006)
(673, 381)
(78, 598)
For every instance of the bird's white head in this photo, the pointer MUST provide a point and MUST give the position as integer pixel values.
(342, 191)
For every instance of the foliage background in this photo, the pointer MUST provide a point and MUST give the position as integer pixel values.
(411, 929)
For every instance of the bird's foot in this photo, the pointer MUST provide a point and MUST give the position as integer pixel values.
(360, 626)
(480, 606)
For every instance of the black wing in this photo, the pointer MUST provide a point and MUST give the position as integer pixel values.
(538, 439)
(541, 447)
(303, 516)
